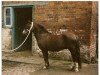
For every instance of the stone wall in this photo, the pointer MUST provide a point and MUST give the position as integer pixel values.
(6, 39)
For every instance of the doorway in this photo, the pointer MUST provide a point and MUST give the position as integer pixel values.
(22, 15)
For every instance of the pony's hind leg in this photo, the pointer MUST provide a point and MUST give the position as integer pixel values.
(75, 66)
(45, 55)
(76, 69)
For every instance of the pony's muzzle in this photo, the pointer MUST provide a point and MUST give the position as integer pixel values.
(25, 31)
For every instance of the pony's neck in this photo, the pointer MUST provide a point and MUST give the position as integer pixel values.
(42, 29)
(39, 35)
(39, 31)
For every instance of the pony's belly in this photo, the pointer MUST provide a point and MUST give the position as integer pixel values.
(55, 49)
(52, 48)
(51, 44)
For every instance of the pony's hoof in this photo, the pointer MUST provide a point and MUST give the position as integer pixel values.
(45, 67)
(76, 70)
(73, 68)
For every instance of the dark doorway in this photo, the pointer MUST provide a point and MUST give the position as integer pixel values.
(22, 16)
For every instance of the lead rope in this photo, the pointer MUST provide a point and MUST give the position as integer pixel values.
(13, 50)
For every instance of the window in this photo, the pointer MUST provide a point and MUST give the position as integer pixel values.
(8, 16)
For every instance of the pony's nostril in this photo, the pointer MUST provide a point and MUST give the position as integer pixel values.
(23, 32)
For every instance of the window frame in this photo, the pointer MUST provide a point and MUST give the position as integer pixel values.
(11, 17)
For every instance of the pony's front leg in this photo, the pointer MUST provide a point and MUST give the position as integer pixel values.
(45, 55)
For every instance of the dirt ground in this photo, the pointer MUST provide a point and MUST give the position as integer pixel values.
(17, 68)
(56, 68)
(24, 63)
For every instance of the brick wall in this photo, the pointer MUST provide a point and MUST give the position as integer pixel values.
(75, 16)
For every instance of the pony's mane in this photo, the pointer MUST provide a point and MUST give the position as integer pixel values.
(42, 28)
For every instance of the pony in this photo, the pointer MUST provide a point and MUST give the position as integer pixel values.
(52, 42)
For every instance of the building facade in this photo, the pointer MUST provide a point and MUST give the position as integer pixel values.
(81, 18)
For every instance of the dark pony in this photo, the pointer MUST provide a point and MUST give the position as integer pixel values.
(50, 42)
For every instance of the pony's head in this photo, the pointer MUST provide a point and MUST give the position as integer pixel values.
(27, 28)
(36, 28)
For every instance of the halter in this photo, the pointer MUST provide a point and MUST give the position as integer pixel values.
(13, 50)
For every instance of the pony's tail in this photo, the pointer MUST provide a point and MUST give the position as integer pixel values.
(79, 55)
